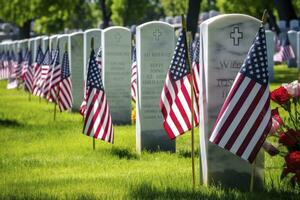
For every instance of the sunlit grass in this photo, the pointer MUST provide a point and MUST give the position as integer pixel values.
(45, 159)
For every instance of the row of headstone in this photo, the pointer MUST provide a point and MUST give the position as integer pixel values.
(292, 35)
(221, 59)
(293, 25)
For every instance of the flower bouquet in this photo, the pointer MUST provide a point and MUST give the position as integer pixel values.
(287, 129)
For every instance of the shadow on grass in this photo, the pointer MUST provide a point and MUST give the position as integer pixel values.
(147, 191)
(124, 153)
(187, 153)
(9, 123)
(285, 75)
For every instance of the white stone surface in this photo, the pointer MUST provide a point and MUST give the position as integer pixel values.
(116, 60)
(88, 35)
(76, 66)
(270, 51)
(226, 40)
(298, 50)
(155, 44)
(293, 41)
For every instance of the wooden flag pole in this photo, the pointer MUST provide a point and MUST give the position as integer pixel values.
(263, 22)
(187, 41)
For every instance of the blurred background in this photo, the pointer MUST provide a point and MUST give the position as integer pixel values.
(27, 18)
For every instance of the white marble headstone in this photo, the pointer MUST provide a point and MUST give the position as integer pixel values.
(53, 42)
(116, 60)
(294, 24)
(88, 35)
(226, 40)
(63, 44)
(31, 48)
(45, 43)
(293, 41)
(76, 66)
(270, 36)
(37, 42)
(155, 44)
(282, 25)
(298, 50)
(24, 46)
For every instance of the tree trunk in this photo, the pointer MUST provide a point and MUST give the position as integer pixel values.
(25, 30)
(285, 10)
(193, 15)
(105, 15)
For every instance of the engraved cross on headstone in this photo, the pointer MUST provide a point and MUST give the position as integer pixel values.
(156, 34)
(236, 35)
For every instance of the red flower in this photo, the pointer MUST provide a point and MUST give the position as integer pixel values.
(293, 161)
(280, 95)
(276, 116)
(289, 138)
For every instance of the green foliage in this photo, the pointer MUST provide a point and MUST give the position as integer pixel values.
(207, 5)
(174, 7)
(254, 8)
(51, 16)
(296, 4)
(43, 159)
(128, 12)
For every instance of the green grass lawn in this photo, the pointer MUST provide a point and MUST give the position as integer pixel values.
(45, 159)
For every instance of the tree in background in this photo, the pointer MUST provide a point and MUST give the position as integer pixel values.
(286, 9)
(254, 8)
(174, 7)
(49, 16)
(106, 12)
(128, 12)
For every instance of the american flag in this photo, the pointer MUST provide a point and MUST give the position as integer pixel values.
(196, 66)
(1, 65)
(37, 72)
(133, 75)
(29, 73)
(245, 117)
(65, 98)
(175, 102)
(277, 44)
(47, 84)
(98, 122)
(20, 61)
(82, 108)
(286, 51)
(45, 70)
(24, 65)
(13, 65)
(55, 78)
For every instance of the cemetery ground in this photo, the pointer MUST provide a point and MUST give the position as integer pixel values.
(45, 159)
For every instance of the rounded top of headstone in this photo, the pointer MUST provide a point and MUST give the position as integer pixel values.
(52, 37)
(115, 28)
(231, 18)
(46, 38)
(292, 31)
(93, 30)
(62, 36)
(154, 23)
(76, 33)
